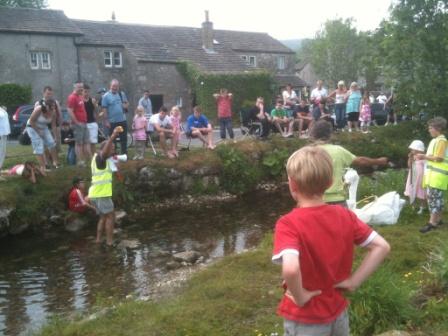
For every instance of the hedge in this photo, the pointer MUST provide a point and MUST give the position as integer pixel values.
(246, 87)
(13, 95)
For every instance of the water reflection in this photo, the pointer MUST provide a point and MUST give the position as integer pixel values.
(66, 273)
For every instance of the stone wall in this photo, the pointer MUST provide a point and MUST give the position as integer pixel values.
(15, 63)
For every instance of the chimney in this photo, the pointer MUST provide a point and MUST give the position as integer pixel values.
(207, 34)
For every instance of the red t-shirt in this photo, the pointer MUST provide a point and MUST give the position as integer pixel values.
(224, 106)
(76, 103)
(323, 237)
(76, 201)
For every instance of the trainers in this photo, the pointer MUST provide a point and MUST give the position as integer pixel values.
(428, 227)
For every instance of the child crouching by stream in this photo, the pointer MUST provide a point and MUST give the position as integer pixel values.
(314, 243)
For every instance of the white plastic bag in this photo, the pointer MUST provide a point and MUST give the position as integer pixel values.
(384, 210)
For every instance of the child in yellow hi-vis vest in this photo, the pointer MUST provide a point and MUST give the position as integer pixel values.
(435, 178)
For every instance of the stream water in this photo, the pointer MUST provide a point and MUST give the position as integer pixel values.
(65, 273)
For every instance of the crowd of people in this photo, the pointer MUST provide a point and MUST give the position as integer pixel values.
(320, 228)
(351, 110)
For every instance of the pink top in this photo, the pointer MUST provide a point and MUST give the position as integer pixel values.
(224, 106)
(139, 127)
(414, 184)
(175, 122)
(366, 113)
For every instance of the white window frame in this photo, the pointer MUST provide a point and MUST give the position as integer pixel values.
(179, 101)
(108, 55)
(281, 62)
(120, 58)
(47, 64)
(34, 63)
(252, 60)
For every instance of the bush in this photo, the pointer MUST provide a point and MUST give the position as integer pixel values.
(13, 95)
(239, 175)
(437, 265)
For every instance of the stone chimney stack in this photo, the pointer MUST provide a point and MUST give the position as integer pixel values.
(207, 34)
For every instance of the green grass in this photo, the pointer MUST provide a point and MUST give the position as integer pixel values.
(239, 294)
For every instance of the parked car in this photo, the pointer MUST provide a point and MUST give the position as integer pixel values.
(22, 115)
(20, 118)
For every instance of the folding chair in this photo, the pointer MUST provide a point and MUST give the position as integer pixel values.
(182, 128)
(249, 127)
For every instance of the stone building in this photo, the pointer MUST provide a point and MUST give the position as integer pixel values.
(44, 47)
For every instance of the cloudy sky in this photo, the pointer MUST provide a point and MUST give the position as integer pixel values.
(283, 19)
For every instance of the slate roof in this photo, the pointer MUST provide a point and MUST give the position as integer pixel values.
(26, 20)
(172, 44)
(295, 80)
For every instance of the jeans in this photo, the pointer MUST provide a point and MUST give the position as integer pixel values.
(339, 110)
(123, 137)
(71, 155)
(226, 123)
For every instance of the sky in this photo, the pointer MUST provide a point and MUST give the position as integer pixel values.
(291, 19)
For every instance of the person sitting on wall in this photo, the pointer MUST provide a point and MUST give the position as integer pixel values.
(162, 124)
(77, 200)
(302, 117)
(199, 127)
(282, 122)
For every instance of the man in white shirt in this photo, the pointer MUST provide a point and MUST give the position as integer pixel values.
(289, 99)
(162, 124)
(382, 99)
(5, 130)
(319, 93)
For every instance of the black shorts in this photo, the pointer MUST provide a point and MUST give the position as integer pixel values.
(353, 116)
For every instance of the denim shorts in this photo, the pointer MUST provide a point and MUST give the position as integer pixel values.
(103, 205)
(338, 327)
(40, 142)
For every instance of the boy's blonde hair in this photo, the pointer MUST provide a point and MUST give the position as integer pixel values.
(311, 168)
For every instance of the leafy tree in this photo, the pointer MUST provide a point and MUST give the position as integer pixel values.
(416, 45)
(24, 3)
(370, 67)
(335, 52)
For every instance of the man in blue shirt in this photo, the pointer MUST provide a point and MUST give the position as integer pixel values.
(114, 105)
(199, 127)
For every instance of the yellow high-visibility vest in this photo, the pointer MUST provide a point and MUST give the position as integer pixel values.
(436, 173)
(101, 180)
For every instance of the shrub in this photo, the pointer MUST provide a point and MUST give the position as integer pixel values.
(274, 162)
(239, 175)
(13, 95)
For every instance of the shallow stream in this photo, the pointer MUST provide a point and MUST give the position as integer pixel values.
(64, 273)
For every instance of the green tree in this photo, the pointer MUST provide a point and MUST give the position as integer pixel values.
(335, 53)
(370, 61)
(24, 3)
(416, 41)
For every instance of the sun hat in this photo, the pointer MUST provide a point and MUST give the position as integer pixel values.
(417, 145)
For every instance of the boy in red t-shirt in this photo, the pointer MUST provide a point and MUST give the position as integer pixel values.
(315, 243)
(77, 200)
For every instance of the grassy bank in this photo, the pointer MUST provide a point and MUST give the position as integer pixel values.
(241, 166)
(239, 294)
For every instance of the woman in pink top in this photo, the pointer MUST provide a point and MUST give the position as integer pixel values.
(139, 132)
